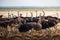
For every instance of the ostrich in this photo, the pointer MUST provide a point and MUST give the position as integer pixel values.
(29, 25)
(25, 27)
(50, 22)
(1, 16)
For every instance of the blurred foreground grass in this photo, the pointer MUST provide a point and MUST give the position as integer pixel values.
(52, 33)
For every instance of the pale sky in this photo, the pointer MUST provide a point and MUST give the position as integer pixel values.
(35, 3)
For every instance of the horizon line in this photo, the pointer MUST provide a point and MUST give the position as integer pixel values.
(29, 7)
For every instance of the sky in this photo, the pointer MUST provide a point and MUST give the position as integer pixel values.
(30, 3)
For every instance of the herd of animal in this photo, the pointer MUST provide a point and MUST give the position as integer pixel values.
(27, 23)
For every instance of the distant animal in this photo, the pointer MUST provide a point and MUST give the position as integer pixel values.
(25, 27)
(48, 24)
(28, 26)
(4, 24)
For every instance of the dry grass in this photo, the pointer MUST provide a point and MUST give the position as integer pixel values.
(44, 34)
